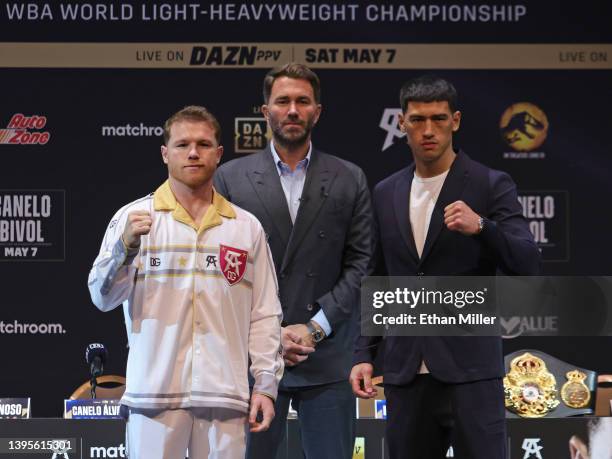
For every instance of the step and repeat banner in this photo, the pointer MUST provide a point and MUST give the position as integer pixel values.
(91, 439)
(87, 86)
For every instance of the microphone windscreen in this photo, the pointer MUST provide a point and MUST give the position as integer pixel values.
(96, 350)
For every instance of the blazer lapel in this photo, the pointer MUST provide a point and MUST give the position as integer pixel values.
(266, 183)
(319, 180)
(451, 191)
(401, 205)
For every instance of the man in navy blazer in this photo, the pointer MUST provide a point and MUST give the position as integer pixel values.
(445, 214)
(316, 211)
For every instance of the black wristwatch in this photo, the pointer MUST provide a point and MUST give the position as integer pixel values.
(317, 334)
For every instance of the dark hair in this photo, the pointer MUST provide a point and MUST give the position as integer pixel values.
(295, 71)
(193, 113)
(428, 88)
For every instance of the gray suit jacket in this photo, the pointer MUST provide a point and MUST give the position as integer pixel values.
(321, 259)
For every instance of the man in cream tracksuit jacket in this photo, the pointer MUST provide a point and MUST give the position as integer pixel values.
(200, 300)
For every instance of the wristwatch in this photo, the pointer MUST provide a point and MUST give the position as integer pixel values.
(317, 334)
(481, 224)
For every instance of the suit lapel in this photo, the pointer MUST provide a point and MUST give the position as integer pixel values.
(319, 180)
(401, 205)
(266, 183)
(451, 191)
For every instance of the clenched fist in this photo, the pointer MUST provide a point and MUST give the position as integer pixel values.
(138, 224)
(458, 216)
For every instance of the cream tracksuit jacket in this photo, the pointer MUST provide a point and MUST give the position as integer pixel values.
(199, 302)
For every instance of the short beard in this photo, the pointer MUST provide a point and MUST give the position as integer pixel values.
(293, 142)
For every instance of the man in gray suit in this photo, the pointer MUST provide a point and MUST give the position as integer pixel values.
(315, 209)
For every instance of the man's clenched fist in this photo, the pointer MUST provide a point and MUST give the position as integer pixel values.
(138, 224)
(458, 216)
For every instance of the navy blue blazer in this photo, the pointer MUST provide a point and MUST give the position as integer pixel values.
(504, 245)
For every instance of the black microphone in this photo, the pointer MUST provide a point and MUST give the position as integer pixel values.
(96, 355)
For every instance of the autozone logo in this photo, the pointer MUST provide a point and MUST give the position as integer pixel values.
(24, 130)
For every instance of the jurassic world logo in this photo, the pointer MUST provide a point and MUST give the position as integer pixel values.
(524, 128)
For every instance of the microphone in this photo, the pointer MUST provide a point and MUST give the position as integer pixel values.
(95, 356)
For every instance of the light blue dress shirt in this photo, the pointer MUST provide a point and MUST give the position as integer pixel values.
(293, 185)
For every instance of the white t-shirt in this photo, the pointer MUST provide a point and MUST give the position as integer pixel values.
(423, 196)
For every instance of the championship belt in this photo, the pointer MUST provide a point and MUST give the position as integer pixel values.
(530, 386)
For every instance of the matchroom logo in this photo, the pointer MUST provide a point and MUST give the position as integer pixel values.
(25, 130)
(132, 130)
(16, 327)
(524, 127)
(107, 451)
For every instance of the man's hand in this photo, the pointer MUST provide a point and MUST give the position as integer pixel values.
(295, 350)
(263, 403)
(138, 224)
(459, 217)
(303, 332)
(361, 380)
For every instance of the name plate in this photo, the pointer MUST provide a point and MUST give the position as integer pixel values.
(92, 409)
(14, 408)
